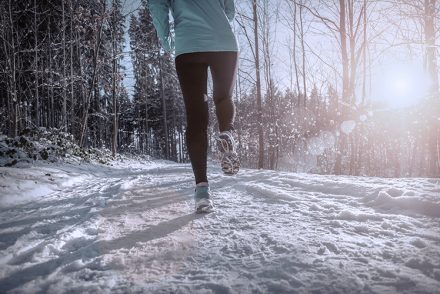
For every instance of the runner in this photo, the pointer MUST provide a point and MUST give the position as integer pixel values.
(203, 39)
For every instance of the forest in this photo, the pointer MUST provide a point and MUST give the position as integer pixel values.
(345, 87)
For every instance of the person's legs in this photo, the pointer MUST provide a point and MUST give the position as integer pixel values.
(193, 75)
(223, 67)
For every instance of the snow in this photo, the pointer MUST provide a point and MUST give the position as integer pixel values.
(131, 228)
(348, 126)
(317, 145)
(31, 183)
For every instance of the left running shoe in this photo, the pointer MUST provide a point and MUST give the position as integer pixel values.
(202, 198)
(227, 147)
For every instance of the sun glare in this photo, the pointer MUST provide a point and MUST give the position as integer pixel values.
(400, 85)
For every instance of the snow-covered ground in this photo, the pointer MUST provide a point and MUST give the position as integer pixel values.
(131, 228)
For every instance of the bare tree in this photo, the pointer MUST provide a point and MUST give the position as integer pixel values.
(63, 84)
(72, 79)
(303, 55)
(13, 105)
(95, 64)
(258, 86)
(164, 105)
(36, 69)
(268, 26)
(430, 12)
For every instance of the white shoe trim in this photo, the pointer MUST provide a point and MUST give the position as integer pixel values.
(204, 205)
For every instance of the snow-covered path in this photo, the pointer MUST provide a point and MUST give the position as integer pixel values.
(132, 229)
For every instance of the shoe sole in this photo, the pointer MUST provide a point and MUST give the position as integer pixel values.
(223, 145)
(204, 209)
(230, 164)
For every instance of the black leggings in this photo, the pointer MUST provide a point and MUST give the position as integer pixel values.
(192, 70)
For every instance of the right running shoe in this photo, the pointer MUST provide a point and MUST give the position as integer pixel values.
(230, 163)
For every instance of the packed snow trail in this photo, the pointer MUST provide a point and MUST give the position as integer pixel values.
(132, 229)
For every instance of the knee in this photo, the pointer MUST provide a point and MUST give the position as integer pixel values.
(222, 99)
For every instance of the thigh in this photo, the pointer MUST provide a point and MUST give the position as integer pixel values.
(223, 67)
(193, 75)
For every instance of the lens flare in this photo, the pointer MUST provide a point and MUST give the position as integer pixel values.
(400, 85)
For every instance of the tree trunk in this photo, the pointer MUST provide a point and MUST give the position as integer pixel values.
(164, 105)
(89, 94)
(64, 111)
(14, 108)
(364, 90)
(303, 54)
(146, 145)
(294, 55)
(51, 91)
(37, 98)
(345, 83)
(434, 100)
(114, 95)
(258, 85)
(72, 80)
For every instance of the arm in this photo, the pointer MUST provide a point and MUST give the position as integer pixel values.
(159, 10)
(230, 9)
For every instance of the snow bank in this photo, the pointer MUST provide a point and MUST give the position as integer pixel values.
(413, 204)
(22, 185)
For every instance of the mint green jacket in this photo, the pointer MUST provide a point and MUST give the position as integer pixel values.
(199, 25)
